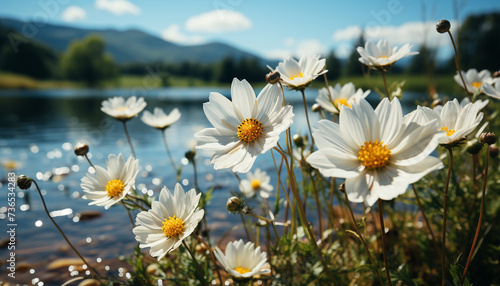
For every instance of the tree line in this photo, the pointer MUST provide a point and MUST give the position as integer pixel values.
(86, 60)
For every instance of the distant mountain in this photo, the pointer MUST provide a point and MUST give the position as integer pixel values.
(131, 45)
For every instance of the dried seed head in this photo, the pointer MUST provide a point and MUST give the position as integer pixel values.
(494, 151)
(81, 149)
(488, 138)
(443, 26)
(273, 77)
(24, 182)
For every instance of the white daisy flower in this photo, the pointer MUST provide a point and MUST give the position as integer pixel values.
(339, 95)
(379, 152)
(474, 80)
(242, 260)
(159, 119)
(121, 109)
(382, 56)
(455, 121)
(464, 102)
(244, 127)
(492, 89)
(107, 187)
(169, 221)
(298, 75)
(257, 182)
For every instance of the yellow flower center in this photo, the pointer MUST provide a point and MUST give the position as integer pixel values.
(374, 155)
(383, 57)
(114, 188)
(122, 108)
(476, 84)
(173, 226)
(341, 101)
(249, 130)
(449, 132)
(296, 76)
(241, 270)
(255, 183)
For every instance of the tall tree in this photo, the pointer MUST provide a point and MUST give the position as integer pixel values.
(353, 66)
(86, 60)
(333, 66)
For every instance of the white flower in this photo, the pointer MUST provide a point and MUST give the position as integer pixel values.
(464, 102)
(474, 80)
(242, 260)
(339, 95)
(169, 221)
(379, 152)
(382, 56)
(107, 187)
(493, 91)
(159, 119)
(121, 109)
(298, 75)
(257, 182)
(455, 121)
(244, 127)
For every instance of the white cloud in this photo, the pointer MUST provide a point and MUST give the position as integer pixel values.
(411, 32)
(117, 7)
(297, 49)
(73, 14)
(218, 21)
(174, 34)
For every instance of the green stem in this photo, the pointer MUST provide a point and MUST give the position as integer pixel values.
(64, 236)
(307, 117)
(211, 256)
(456, 62)
(168, 152)
(443, 255)
(425, 219)
(384, 242)
(128, 137)
(385, 85)
(478, 228)
(362, 239)
(198, 267)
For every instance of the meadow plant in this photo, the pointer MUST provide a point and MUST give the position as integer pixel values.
(339, 210)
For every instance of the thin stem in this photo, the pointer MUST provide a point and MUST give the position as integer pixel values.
(128, 137)
(363, 240)
(129, 215)
(303, 218)
(385, 85)
(88, 160)
(443, 254)
(318, 204)
(211, 255)
(62, 233)
(425, 219)
(268, 221)
(195, 175)
(456, 62)
(198, 267)
(307, 118)
(168, 151)
(384, 243)
(478, 228)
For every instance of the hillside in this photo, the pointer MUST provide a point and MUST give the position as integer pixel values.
(132, 45)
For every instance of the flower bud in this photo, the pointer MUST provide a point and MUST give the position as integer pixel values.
(342, 187)
(190, 155)
(81, 149)
(273, 77)
(496, 74)
(316, 107)
(494, 151)
(234, 204)
(488, 138)
(474, 146)
(298, 140)
(443, 26)
(436, 102)
(24, 182)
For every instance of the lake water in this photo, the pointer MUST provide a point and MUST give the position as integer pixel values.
(38, 130)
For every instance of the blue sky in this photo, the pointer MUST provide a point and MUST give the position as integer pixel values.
(272, 29)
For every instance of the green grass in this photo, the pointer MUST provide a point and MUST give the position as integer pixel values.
(420, 83)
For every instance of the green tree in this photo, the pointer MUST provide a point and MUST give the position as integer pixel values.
(479, 42)
(424, 62)
(225, 70)
(86, 60)
(25, 56)
(353, 66)
(333, 66)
